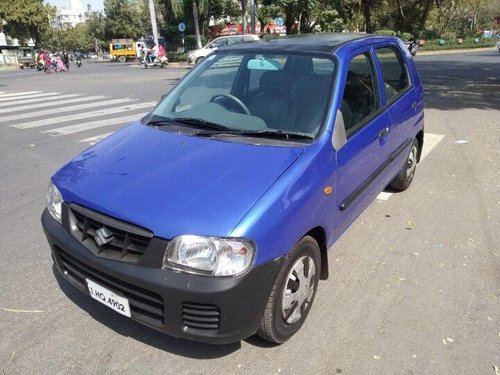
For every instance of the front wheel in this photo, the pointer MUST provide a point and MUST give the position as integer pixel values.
(403, 179)
(144, 65)
(293, 293)
(122, 59)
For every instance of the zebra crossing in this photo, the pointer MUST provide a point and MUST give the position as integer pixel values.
(56, 114)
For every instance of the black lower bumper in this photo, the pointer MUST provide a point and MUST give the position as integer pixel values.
(199, 308)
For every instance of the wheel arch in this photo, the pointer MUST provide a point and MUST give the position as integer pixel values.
(420, 139)
(319, 236)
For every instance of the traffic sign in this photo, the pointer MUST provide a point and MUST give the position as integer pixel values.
(182, 27)
(280, 21)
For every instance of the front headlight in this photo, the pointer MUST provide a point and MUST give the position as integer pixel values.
(209, 255)
(53, 199)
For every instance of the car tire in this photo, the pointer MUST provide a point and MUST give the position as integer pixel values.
(293, 293)
(122, 59)
(198, 60)
(403, 179)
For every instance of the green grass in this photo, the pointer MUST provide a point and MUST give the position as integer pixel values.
(433, 45)
(177, 57)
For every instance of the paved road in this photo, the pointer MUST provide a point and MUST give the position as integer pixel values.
(415, 281)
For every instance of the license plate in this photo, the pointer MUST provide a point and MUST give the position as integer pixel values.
(108, 298)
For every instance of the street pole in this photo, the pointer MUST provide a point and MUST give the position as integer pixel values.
(152, 14)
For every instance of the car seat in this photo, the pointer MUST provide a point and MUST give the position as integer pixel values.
(273, 101)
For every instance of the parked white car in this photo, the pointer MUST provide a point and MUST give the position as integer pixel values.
(196, 56)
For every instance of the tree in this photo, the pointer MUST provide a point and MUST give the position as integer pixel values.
(125, 18)
(410, 15)
(75, 38)
(96, 30)
(25, 19)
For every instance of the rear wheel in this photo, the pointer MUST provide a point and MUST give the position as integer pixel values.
(122, 59)
(198, 60)
(405, 176)
(293, 293)
(144, 65)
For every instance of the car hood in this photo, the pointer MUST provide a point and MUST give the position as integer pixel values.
(170, 183)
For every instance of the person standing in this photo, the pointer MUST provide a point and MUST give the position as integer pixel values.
(66, 59)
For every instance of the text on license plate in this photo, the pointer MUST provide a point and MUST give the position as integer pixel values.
(108, 298)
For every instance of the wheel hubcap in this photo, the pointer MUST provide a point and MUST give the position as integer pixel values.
(299, 289)
(411, 163)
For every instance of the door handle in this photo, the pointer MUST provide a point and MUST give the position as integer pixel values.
(383, 133)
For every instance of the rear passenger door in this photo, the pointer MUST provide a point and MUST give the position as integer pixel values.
(402, 99)
(362, 160)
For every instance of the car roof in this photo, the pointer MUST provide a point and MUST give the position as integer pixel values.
(322, 42)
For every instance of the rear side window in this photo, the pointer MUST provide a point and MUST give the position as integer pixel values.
(360, 94)
(394, 71)
(220, 42)
(235, 40)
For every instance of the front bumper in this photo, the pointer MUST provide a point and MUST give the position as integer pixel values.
(199, 308)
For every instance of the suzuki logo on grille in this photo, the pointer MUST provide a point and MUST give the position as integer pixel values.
(103, 236)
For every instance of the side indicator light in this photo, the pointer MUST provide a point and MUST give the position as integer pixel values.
(328, 190)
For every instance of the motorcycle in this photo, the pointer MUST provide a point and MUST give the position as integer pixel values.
(79, 63)
(150, 61)
(412, 47)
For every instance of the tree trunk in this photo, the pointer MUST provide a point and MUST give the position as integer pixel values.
(367, 14)
(425, 15)
(196, 24)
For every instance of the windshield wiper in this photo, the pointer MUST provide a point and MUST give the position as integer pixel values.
(196, 122)
(276, 134)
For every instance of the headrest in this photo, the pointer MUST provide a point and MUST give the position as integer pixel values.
(275, 79)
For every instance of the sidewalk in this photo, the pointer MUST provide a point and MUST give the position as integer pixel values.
(9, 67)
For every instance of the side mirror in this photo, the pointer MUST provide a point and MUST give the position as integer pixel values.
(339, 137)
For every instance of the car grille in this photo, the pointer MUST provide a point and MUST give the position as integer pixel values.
(107, 237)
(200, 316)
(145, 305)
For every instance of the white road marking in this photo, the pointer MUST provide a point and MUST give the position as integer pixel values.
(19, 94)
(84, 115)
(63, 109)
(93, 140)
(93, 124)
(383, 196)
(52, 103)
(37, 99)
(430, 142)
(33, 96)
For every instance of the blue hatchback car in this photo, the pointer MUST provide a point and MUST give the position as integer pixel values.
(211, 217)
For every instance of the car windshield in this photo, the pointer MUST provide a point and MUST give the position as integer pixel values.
(251, 94)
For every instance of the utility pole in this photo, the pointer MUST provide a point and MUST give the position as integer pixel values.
(152, 14)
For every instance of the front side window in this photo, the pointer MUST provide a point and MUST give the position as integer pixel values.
(282, 95)
(360, 98)
(394, 71)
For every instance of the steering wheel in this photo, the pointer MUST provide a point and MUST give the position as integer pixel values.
(234, 99)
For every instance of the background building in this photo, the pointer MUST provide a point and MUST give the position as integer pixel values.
(70, 16)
